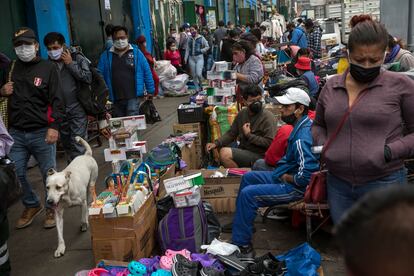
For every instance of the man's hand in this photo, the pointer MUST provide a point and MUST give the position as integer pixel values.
(67, 57)
(52, 136)
(287, 178)
(7, 89)
(210, 146)
(246, 129)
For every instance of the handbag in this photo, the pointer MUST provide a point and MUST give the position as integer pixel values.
(8, 177)
(316, 190)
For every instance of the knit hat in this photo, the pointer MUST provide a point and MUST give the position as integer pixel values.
(303, 63)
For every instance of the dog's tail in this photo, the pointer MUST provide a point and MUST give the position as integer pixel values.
(85, 144)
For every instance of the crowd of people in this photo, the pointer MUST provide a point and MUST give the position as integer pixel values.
(361, 119)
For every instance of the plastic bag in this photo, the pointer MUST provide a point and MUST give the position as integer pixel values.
(165, 70)
(301, 260)
(175, 84)
(148, 109)
(220, 248)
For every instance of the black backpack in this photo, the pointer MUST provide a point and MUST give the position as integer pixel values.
(94, 96)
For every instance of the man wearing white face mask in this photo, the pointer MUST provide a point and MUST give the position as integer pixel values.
(73, 69)
(126, 72)
(33, 89)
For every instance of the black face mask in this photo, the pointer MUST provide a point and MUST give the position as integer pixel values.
(256, 107)
(289, 119)
(364, 75)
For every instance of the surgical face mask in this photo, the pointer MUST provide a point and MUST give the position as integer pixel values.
(193, 34)
(55, 54)
(362, 74)
(173, 48)
(289, 119)
(121, 43)
(26, 53)
(256, 107)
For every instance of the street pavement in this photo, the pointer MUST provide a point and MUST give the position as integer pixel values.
(32, 248)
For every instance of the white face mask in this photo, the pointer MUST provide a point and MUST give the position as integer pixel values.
(173, 48)
(121, 44)
(55, 54)
(26, 53)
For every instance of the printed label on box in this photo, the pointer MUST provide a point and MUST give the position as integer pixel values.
(176, 184)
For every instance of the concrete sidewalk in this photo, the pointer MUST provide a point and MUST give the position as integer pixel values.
(32, 248)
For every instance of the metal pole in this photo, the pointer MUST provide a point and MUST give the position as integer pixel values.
(343, 23)
(410, 31)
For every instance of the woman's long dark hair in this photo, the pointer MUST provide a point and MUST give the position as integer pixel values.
(244, 46)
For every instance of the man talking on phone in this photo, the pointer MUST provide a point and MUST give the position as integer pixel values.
(36, 110)
(73, 70)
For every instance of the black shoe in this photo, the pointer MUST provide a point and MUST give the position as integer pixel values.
(246, 253)
(228, 228)
(184, 268)
(185, 262)
(268, 265)
(209, 271)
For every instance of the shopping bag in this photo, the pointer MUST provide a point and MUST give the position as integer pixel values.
(148, 109)
(301, 260)
(8, 178)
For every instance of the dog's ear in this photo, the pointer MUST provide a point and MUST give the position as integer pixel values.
(67, 174)
(51, 171)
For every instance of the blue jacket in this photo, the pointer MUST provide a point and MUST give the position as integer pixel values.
(299, 38)
(298, 161)
(313, 85)
(143, 75)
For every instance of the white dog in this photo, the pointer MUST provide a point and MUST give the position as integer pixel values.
(69, 188)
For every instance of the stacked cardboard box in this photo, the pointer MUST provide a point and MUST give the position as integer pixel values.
(125, 238)
(199, 142)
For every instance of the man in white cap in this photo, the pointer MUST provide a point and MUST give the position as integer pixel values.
(288, 181)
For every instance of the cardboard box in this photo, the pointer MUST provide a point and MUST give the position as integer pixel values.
(220, 192)
(125, 238)
(188, 154)
(199, 142)
(170, 172)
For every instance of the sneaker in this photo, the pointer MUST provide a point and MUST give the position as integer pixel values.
(161, 272)
(27, 216)
(246, 253)
(50, 219)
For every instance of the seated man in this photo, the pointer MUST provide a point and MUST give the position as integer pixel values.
(253, 127)
(288, 181)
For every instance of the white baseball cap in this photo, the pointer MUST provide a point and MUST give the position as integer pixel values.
(294, 95)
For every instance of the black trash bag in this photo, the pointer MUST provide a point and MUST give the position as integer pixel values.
(163, 207)
(214, 227)
(11, 188)
(148, 109)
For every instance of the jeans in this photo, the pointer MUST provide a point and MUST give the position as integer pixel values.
(258, 189)
(32, 143)
(208, 64)
(196, 64)
(342, 194)
(124, 108)
(76, 124)
(261, 165)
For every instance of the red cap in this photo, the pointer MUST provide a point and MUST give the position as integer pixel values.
(303, 63)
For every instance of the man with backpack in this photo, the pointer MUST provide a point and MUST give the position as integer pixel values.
(33, 85)
(126, 72)
(73, 69)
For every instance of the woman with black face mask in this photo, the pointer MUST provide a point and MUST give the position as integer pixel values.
(359, 119)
